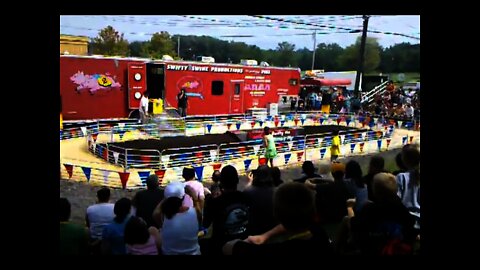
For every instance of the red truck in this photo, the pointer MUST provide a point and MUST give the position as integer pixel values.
(99, 87)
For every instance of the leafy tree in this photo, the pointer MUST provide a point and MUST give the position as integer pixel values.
(348, 60)
(110, 42)
(161, 44)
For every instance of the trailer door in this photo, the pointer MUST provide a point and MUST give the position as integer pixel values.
(137, 81)
(236, 96)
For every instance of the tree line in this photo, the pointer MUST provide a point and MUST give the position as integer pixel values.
(403, 57)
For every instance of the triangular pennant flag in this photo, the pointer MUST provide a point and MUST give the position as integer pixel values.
(84, 130)
(160, 174)
(69, 168)
(364, 136)
(260, 123)
(165, 160)
(217, 166)
(296, 121)
(282, 123)
(115, 157)
(299, 156)
(302, 120)
(388, 142)
(229, 125)
(143, 177)
(321, 121)
(319, 140)
(411, 139)
(105, 154)
(94, 136)
(105, 177)
(199, 172)
(339, 120)
(379, 144)
(247, 163)
(361, 146)
(399, 123)
(276, 122)
(342, 138)
(124, 178)
(209, 127)
(255, 149)
(348, 120)
(121, 133)
(213, 155)
(404, 140)
(287, 157)
(352, 147)
(252, 124)
(238, 125)
(322, 152)
(262, 161)
(290, 145)
(303, 116)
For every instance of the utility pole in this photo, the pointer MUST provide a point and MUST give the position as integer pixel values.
(314, 48)
(178, 47)
(362, 54)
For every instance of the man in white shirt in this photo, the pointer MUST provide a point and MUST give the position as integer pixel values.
(143, 109)
(409, 111)
(99, 215)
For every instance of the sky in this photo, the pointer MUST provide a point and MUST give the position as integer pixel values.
(265, 31)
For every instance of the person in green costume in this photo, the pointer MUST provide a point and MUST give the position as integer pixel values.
(269, 143)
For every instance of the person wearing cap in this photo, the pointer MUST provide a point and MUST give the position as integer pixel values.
(180, 223)
(145, 201)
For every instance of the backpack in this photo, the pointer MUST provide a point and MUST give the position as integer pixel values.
(235, 220)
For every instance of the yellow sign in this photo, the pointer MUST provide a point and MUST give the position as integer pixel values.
(104, 81)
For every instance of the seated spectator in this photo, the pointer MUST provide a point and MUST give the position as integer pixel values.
(98, 216)
(385, 225)
(375, 166)
(409, 182)
(140, 239)
(309, 172)
(276, 176)
(401, 166)
(260, 200)
(189, 177)
(113, 241)
(228, 214)
(73, 237)
(354, 181)
(294, 208)
(180, 223)
(145, 201)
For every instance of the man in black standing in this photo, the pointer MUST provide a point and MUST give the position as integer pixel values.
(182, 103)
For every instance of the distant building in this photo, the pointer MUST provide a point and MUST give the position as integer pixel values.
(77, 45)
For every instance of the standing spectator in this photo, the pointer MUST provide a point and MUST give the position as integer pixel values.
(98, 216)
(188, 175)
(113, 241)
(355, 185)
(73, 237)
(375, 166)
(327, 100)
(145, 201)
(409, 111)
(182, 102)
(293, 103)
(401, 166)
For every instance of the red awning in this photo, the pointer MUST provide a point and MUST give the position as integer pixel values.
(324, 82)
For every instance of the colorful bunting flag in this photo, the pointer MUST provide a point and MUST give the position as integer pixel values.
(352, 147)
(199, 172)
(361, 146)
(247, 163)
(105, 177)
(160, 174)
(379, 144)
(287, 157)
(143, 177)
(84, 130)
(322, 152)
(217, 166)
(299, 156)
(124, 178)
(69, 168)
(209, 127)
(255, 149)
(115, 157)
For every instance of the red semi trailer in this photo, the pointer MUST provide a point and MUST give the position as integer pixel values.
(98, 87)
